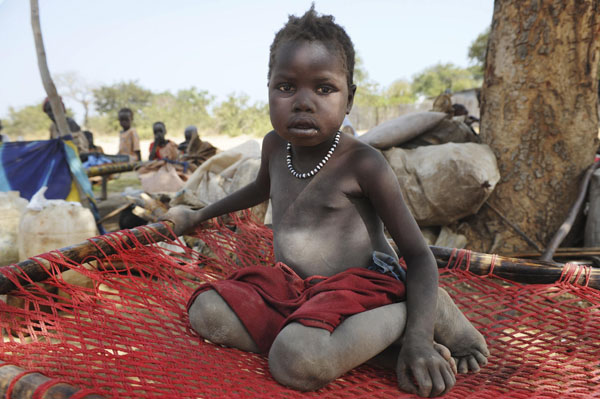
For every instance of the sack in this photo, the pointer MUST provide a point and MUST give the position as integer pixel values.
(453, 130)
(444, 183)
(164, 180)
(221, 175)
(400, 130)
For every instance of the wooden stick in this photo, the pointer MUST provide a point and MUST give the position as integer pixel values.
(564, 229)
(114, 212)
(514, 227)
(55, 103)
(562, 252)
(26, 385)
(35, 269)
(110, 168)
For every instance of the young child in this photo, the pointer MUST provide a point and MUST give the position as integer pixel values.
(333, 300)
(162, 148)
(129, 142)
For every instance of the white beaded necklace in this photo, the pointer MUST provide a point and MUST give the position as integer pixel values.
(317, 168)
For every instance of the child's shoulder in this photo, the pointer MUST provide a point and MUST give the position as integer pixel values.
(358, 149)
(362, 158)
(271, 141)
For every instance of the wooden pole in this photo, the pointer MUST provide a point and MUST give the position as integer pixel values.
(25, 385)
(34, 268)
(519, 270)
(55, 103)
(111, 168)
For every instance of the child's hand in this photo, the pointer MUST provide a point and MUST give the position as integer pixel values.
(183, 218)
(431, 367)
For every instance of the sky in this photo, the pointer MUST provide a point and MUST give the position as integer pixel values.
(221, 46)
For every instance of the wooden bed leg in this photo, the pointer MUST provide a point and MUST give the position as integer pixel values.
(24, 385)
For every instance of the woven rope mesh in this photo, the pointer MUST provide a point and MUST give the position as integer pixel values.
(125, 332)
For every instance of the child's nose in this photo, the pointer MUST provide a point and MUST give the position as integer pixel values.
(304, 102)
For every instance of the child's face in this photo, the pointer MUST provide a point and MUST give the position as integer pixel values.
(308, 93)
(159, 133)
(125, 120)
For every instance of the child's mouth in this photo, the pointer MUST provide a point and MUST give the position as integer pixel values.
(303, 128)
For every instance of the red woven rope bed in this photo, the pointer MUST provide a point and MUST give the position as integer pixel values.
(127, 335)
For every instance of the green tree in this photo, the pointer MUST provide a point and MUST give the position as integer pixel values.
(109, 99)
(28, 122)
(367, 90)
(400, 92)
(186, 107)
(436, 79)
(235, 116)
(478, 52)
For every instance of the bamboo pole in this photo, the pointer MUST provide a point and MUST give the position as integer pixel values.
(34, 268)
(111, 168)
(25, 385)
(519, 270)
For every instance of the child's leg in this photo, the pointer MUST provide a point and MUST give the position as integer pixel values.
(213, 319)
(307, 358)
(455, 332)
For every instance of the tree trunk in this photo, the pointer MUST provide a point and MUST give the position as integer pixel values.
(539, 116)
(55, 103)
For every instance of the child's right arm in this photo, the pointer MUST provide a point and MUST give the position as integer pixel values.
(248, 196)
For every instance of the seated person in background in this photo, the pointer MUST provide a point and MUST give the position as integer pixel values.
(78, 137)
(162, 148)
(188, 136)
(92, 147)
(196, 151)
(129, 142)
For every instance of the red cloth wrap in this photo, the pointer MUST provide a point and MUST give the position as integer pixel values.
(267, 298)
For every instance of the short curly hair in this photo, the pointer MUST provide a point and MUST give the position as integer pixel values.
(126, 111)
(313, 27)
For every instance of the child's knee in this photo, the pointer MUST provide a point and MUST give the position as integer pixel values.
(207, 315)
(299, 364)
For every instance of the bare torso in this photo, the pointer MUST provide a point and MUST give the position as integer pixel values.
(325, 224)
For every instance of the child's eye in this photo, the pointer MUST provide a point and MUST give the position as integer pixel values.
(285, 87)
(325, 90)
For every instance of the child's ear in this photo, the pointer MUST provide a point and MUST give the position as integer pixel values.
(351, 93)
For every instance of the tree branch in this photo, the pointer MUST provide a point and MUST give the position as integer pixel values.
(55, 103)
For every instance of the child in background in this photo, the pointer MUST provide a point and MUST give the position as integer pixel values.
(162, 148)
(129, 142)
(337, 296)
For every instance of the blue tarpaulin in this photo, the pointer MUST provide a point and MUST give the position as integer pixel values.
(27, 166)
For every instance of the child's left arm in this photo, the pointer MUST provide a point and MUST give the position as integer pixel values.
(418, 357)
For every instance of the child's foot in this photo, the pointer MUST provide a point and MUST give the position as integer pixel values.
(455, 331)
(389, 358)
